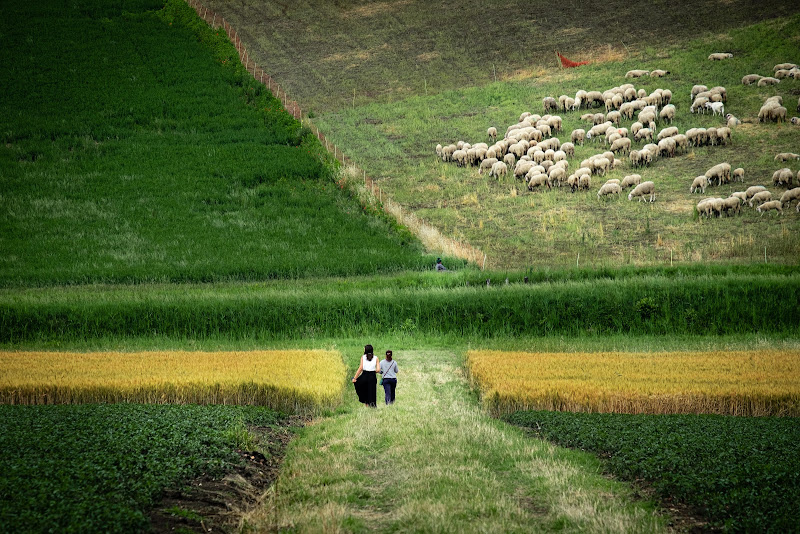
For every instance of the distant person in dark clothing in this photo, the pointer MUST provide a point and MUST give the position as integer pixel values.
(439, 266)
(365, 380)
(389, 372)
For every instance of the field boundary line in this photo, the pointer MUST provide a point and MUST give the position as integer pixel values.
(429, 235)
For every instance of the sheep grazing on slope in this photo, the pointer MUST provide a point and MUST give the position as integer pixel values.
(630, 181)
(753, 190)
(771, 205)
(783, 177)
(788, 196)
(636, 73)
(658, 73)
(718, 56)
(760, 198)
(786, 156)
(768, 80)
(643, 190)
(609, 189)
(486, 165)
(667, 113)
(738, 174)
(550, 104)
(722, 173)
(731, 204)
(750, 79)
(492, 133)
(699, 184)
(498, 169)
(732, 121)
(784, 66)
(717, 108)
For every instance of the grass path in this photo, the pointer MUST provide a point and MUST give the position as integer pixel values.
(435, 462)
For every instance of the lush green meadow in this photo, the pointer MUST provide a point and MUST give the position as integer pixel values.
(743, 473)
(137, 148)
(441, 89)
(101, 468)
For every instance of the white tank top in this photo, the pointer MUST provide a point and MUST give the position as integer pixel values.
(369, 365)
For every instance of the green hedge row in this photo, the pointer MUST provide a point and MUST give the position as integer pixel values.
(724, 305)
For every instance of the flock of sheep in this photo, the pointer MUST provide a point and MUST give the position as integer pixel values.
(531, 151)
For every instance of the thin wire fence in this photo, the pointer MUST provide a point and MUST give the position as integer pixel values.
(429, 235)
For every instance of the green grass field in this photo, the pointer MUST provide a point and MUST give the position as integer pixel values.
(393, 123)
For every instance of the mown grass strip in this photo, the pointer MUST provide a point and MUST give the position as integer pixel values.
(290, 381)
(742, 473)
(645, 305)
(747, 383)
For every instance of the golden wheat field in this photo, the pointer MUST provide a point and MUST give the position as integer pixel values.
(295, 381)
(752, 383)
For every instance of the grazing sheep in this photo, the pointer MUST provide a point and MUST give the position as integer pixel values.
(699, 105)
(549, 103)
(753, 190)
(788, 196)
(667, 113)
(771, 205)
(609, 189)
(498, 169)
(538, 180)
(783, 177)
(750, 79)
(717, 56)
(636, 73)
(717, 108)
(724, 135)
(699, 184)
(768, 80)
(760, 197)
(784, 73)
(492, 133)
(732, 121)
(630, 181)
(642, 190)
(559, 155)
(741, 195)
(666, 147)
(706, 206)
(557, 175)
(784, 66)
(569, 149)
(720, 171)
(658, 73)
(584, 182)
(682, 142)
(738, 174)
(786, 156)
(578, 136)
(522, 168)
(486, 165)
(644, 133)
(731, 204)
(623, 144)
(667, 132)
(509, 159)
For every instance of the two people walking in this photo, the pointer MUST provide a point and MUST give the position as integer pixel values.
(365, 380)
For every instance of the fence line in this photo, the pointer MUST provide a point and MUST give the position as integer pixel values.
(430, 236)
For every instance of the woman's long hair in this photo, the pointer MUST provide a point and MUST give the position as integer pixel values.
(388, 355)
(368, 352)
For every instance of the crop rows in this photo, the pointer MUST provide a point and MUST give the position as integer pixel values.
(100, 468)
(289, 381)
(741, 473)
(747, 383)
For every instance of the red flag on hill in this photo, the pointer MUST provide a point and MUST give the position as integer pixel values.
(568, 64)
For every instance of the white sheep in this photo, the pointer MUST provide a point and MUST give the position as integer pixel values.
(783, 177)
(584, 182)
(717, 108)
(771, 205)
(738, 174)
(741, 195)
(760, 198)
(768, 80)
(609, 189)
(549, 103)
(667, 132)
(731, 204)
(752, 190)
(492, 133)
(643, 133)
(642, 190)
(788, 196)
(636, 73)
(569, 149)
(630, 181)
(658, 73)
(498, 169)
(667, 113)
(786, 156)
(718, 56)
(750, 79)
(623, 144)
(784, 66)
(699, 184)
(486, 164)
(538, 180)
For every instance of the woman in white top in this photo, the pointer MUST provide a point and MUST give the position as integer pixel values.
(365, 380)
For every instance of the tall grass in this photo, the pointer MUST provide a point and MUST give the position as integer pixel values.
(289, 381)
(639, 305)
(751, 383)
(135, 147)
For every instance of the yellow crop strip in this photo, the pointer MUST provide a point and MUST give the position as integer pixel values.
(294, 381)
(753, 383)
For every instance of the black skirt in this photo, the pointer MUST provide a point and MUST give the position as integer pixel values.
(365, 386)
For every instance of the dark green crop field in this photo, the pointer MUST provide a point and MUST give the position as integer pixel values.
(743, 473)
(135, 147)
(101, 468)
